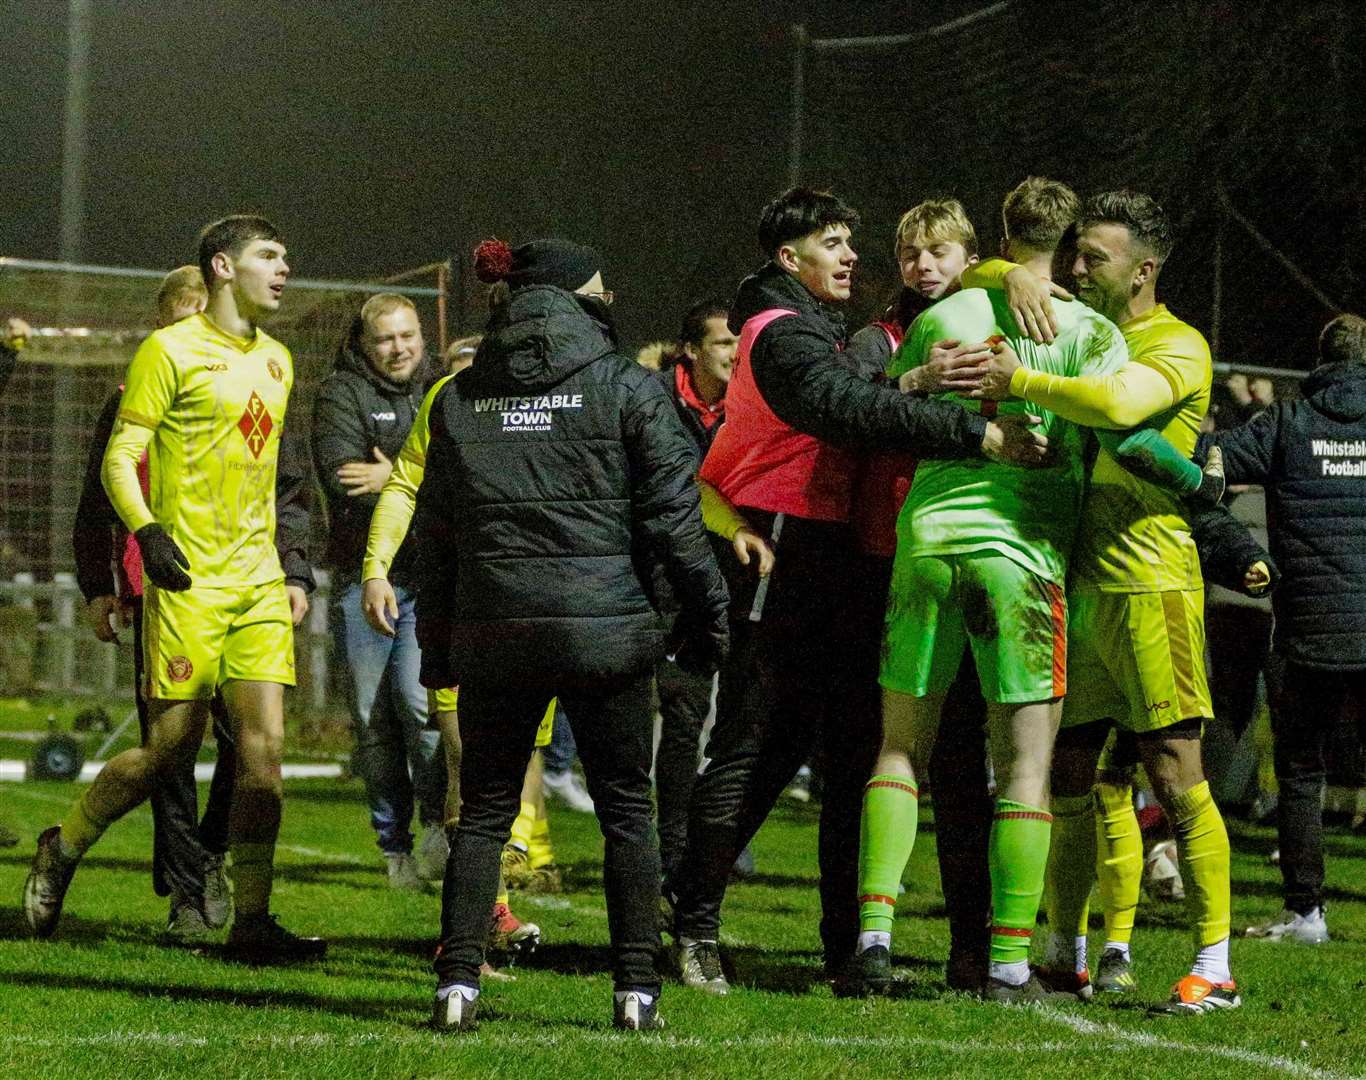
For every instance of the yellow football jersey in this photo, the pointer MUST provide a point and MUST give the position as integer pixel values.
(216, 406)
(1135, 537)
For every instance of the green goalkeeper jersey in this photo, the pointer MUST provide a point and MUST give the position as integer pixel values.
(1028, 515)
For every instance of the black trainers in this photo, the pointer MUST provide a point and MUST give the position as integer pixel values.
(631, 1012)
(186, 924)
(1029, 992)
(867, 972)
(260, 939)
(453, 1013)
(48, 879)
(699, 966)
(217, 905)
(966, 970)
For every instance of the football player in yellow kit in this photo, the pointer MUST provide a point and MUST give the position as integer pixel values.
(206, 398)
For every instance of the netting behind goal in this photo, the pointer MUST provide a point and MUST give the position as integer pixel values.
(1183, 100)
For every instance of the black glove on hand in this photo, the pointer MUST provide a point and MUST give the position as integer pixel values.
(162, 559)
(701, 646)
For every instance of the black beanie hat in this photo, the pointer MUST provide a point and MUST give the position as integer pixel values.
(551, 261)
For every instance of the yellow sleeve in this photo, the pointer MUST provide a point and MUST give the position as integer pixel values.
(1180, 356)
(398, 498)
(718, 513)
(149, 390)
(1121, 400)
(987, 275)
(150, 387)
(119, 473)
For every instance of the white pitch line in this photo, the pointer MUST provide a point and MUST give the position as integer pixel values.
(1233, 1053)
(487, 1038)
(16, 770)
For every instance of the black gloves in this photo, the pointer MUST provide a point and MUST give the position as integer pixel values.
(699, 647)
(162, 559)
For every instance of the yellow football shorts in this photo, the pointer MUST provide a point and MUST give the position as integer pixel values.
(446, 700)
(1136, 658)
(195, 641)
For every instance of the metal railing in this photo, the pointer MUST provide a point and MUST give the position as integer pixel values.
(47, 647)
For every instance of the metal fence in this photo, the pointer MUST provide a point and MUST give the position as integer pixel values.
(46, 646)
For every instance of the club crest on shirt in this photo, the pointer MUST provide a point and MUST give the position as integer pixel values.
(276, 371)
(256, 424)
(179, 668)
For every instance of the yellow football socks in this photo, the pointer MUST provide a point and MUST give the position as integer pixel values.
(1119, 866)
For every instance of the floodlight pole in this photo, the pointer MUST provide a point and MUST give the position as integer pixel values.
(800, 42)
(73, 135)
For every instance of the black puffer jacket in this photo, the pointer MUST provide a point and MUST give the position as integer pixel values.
(1310, 455)
(801, 373)
(558, 484)
(356, 410)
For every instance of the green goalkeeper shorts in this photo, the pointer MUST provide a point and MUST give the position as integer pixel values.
(1014, 620)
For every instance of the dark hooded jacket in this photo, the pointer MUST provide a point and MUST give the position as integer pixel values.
(1310, 455)
(799, 371)
(356, 410)
(558, 490)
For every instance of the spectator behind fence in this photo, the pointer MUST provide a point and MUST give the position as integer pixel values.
(1310, 455)
(363, 413)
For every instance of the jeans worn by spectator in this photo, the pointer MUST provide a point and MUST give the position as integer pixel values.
(397, 757)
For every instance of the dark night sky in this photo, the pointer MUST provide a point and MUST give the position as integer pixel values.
(385, 135)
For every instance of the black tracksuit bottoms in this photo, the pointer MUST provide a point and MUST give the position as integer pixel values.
(181, 840)
(1304, 715)
(614, 727)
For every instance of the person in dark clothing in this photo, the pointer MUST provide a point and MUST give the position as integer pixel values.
(188, 851)
(1310, 455)
(361, 417)
(801, 676)
(557, 501)
(14, 340)
(696, 384)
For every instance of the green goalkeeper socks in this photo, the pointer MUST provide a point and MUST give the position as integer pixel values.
(1017, 857)
(891, 811)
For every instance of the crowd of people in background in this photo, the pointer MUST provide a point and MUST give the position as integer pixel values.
(975, 548)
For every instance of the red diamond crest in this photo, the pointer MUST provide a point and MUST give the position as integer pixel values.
(255, 425)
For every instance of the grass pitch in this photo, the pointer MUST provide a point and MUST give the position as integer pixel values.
(106, 998)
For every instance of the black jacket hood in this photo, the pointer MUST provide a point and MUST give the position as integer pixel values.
(773, 287)
(1338, 390)
(542, 335)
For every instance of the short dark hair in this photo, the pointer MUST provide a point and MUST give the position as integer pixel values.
(695, 321)
(799, 212)
(1146, 221)
(1343, 340)
(231, 234)
(1038, 212)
